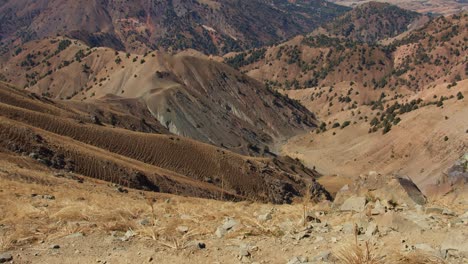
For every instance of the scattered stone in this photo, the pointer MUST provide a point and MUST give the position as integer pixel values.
(144, 222)
(55, 246)
(323, 256)
(378, 208)
(434, 210)
(48, 197)
(228, 225)
(244, 252)
(396, 222)
(298, 260)
(455, 242)
(424, 247)
(334, 239)
(372, 229)
(318, 239)
(129, 234)
(448, 212)
(150, 259)
(348, 228)
(75, 235)
(5, 257)
(356, 204)
(303, 234)
(311, 218)
(265, 217)
(182, 229)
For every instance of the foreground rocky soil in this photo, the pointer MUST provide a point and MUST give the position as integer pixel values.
(48, 217)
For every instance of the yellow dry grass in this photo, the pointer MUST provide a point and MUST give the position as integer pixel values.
(96, 207)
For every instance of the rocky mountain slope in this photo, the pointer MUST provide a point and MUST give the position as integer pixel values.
(62, 138)
(189, 95)
(213, 27)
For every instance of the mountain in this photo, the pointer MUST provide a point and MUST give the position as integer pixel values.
(187, 95)
(317, 60)
(432, 7)
(213, 27)
(374, 21)
(397, 107)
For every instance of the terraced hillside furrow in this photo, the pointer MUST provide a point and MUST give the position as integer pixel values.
(277, 180)
(60, 152)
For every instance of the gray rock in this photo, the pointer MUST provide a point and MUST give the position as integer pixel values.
(396, 222)
(5, 257)
(347, 228)
(455, 242)
(448, 212)
(48, 197)
(434, 210)
(356, 204)
(310, 217)
(182, 229)
(424, 247)
(372, 229)
(244, 252)
(298, 260)
(144, 222)
(323, 256)
(228, 225)
(378, 209)
(75, 235)
(265, 217)
(318, 239)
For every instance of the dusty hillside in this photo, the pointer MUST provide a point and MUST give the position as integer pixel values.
(190, 96)
(59, 138)
(416, 134)
(213, 27)
(374, 21)
(444, 7)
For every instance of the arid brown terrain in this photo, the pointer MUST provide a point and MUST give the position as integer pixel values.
(233, 132)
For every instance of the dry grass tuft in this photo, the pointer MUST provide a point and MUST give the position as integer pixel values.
(356, 254)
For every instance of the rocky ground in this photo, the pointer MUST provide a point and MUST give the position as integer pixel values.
(65, 218)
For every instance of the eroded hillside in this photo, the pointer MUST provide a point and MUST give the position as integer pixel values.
(188, 95)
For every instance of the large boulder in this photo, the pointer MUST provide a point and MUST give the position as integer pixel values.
(356, 204)
(397, 222)
(395, 189)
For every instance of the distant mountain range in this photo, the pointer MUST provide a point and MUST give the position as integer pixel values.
(213, 27)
